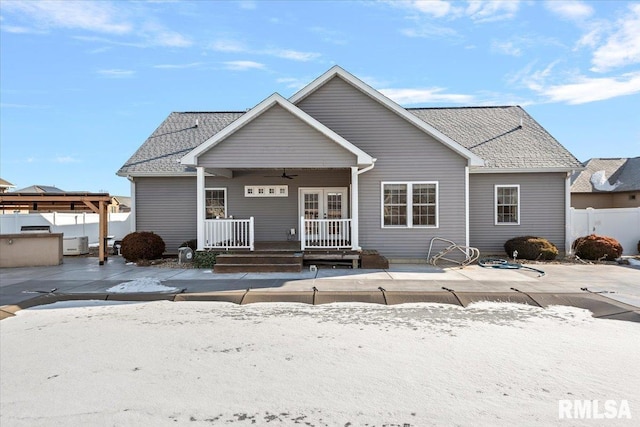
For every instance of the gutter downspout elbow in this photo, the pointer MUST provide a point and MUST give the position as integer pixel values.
(368, 168)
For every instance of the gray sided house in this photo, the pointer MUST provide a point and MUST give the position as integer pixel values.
(340, 166)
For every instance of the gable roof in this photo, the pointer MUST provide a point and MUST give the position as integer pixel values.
(491, 136)
(506, 137)
(613, 174)
(275, 99)
(337, 71)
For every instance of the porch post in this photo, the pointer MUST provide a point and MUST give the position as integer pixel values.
(200, 207)
(354, 209)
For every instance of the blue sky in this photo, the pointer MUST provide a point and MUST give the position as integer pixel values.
(83, 84)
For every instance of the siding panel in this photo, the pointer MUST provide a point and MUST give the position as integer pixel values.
(167, 206)
(404, 153)
(542, 209)
(277, 139)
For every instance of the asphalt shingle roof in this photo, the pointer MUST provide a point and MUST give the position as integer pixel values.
(622, 171)
(493, 133)
(175, 137)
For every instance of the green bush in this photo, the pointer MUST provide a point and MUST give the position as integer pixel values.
(142, 245)
(193, 244)
(531, 247)
(204, 259)
(597, 248)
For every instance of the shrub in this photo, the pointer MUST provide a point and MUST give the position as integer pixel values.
(596, 247)
(142, 245)
(193, 244)
(204, 259)
(639, 246)
(531, 247)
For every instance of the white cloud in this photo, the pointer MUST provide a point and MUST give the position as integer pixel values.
(573, 10)
(431, 95)
(584, 90)
(435, 8)
(429, 30)
(623, 46)
(87, 15)
(492, 10)
(116, 73)
(234, 46)
(506, 47)
(178, 66)
(292, 83)
(294, 55)
(227, 45)
(93, 16)
(248, 4)
(243, 65)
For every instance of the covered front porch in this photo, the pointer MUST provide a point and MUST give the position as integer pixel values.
(238, 214)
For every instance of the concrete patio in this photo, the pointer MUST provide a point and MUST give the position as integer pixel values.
(83, 278)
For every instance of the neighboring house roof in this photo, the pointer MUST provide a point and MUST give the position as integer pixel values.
(122, 200)
(42, 189)
(607, 175)
(5, 184)
(494, 135)
(505, 137)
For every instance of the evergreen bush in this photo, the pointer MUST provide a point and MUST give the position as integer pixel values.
(531, 248)
(142, 245)
(597, 248)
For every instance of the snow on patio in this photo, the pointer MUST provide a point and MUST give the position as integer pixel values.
(195, 363)
(143, 284)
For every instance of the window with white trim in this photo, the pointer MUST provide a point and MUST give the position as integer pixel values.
(215, 203)
(409, 204)
(507, 205)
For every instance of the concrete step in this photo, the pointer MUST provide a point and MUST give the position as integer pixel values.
(257, 268)
(259, 259)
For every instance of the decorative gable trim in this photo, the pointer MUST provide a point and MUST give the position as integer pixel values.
(191, 158)
(473, 159)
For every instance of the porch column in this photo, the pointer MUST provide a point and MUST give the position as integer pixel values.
(200, 207)
(355, 245)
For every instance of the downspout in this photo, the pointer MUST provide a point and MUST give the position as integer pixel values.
(568, 226)
(132, 214)
(466, 206)
(355, 202)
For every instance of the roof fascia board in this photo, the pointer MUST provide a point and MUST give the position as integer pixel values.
(473, 159)
(192, 157)
(522, 170)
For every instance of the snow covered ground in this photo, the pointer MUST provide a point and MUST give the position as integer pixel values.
(203, 363)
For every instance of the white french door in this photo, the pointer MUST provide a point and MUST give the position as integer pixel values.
(323, 204)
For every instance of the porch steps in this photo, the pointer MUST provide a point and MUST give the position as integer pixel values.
(258, 263)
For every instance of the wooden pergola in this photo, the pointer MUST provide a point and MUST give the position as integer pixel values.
(67, 202)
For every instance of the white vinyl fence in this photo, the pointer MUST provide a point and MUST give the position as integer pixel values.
(623, 224)
(70, 224)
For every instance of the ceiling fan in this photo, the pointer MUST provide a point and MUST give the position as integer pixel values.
(284, 175)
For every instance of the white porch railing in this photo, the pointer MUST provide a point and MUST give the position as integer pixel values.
(325, 233)
(229, 234)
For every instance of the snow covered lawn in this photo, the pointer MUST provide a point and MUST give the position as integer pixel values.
(193, 363)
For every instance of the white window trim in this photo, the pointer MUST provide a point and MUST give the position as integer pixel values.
(495, 204)
(226, 207)
(278, 191)
(409, 185)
